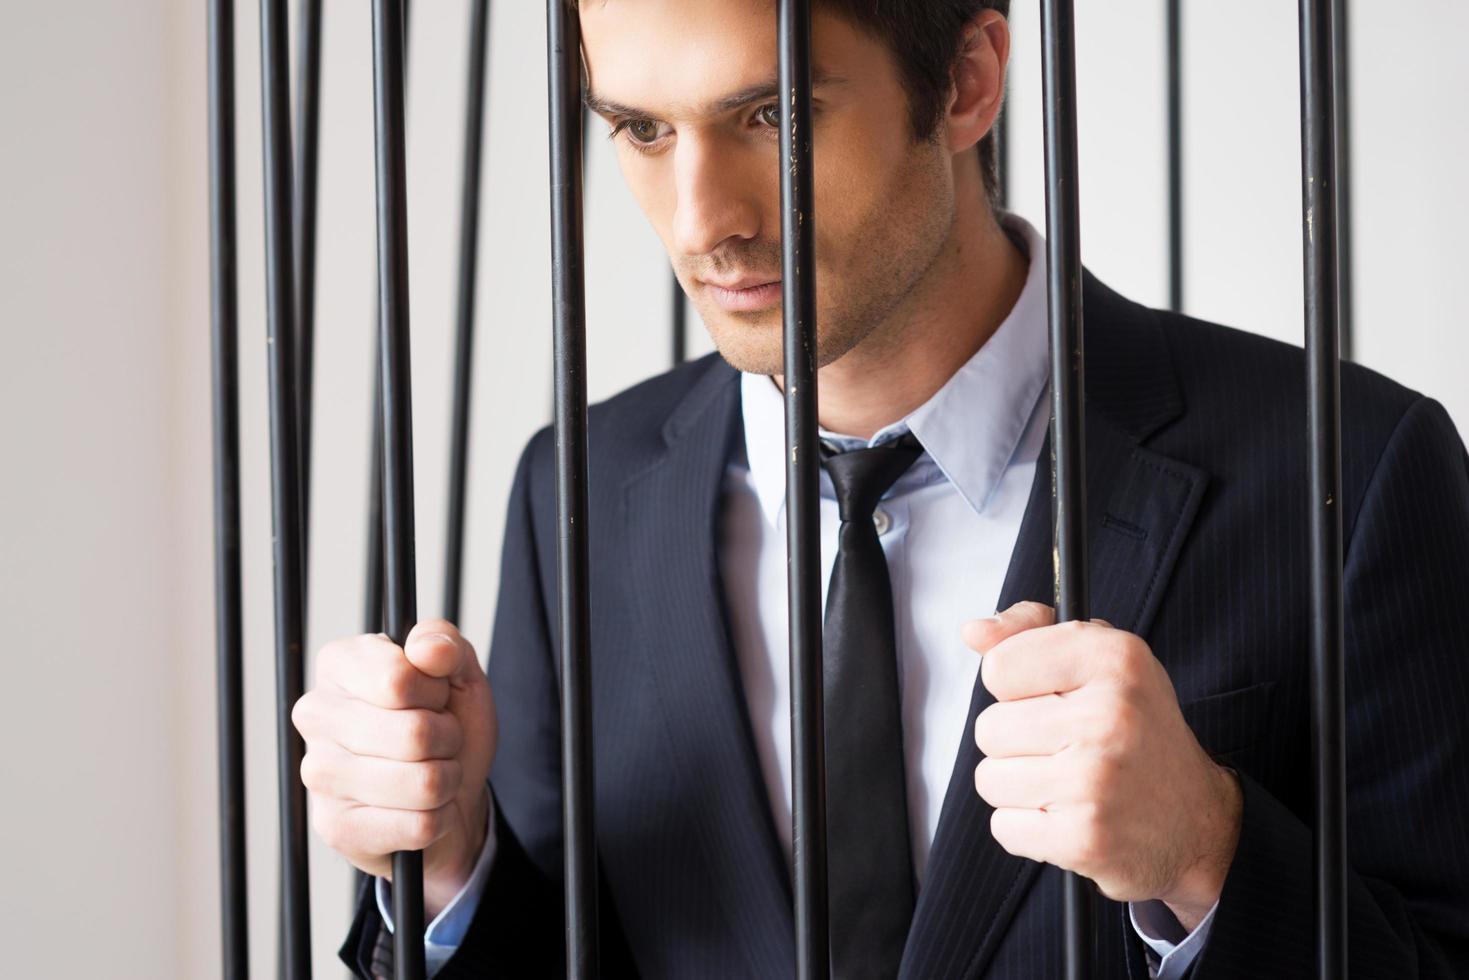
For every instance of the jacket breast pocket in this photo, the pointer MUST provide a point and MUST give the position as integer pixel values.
(1230, 722)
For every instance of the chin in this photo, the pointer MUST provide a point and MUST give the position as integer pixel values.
(748, 345)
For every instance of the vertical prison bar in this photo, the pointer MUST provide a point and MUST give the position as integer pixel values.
(474, 129)
(677, 315)
(285, 485)
(1174, 31)
(308, 138)
(373, 610)
(1323, 415)
(397, 414)
(568, 303)
(1068, 395)
(372, 613)
(225, 388)
(803, 528)
(1342, 83)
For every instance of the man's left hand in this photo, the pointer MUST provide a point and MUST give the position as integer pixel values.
(1090, 766)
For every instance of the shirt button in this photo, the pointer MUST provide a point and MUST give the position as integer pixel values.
(881, 521)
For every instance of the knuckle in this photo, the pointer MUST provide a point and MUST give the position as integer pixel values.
(420, 828)
(417, 734)
(318, 775)
(396, 684)
(302, 713)
(982, 778)
(435, 783)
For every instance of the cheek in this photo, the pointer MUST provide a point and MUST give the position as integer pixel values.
(652, 187)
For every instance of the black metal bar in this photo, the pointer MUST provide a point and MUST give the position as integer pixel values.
(1068, 393)
(1323, 414)
(308, 133)
(679, 317)
(568, 300)
(373, 612)
(1342, 77)
(225, 387)
(1175, 155)
(1002, 152)
(397, 415)
(464, 327)
(372, 600)
(285, 485)
(803, 467)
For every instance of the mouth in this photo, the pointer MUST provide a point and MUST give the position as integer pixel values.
(746, 295)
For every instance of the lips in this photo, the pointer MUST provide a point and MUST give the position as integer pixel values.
(746, 294)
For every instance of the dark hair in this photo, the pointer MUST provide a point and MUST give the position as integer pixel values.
(924, 36)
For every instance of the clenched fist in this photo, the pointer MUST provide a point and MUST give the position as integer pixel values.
(399, 742)
(1090, 765)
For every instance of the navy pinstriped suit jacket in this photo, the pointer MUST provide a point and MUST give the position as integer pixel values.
(1196, 472)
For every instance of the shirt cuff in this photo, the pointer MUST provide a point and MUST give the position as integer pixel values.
(444, 935)
(1157, 926)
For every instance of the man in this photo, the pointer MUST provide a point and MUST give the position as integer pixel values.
(1160, 750)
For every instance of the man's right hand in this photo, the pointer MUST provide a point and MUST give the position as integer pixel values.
(399, 742)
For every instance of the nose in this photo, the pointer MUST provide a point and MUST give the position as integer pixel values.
(717, 197)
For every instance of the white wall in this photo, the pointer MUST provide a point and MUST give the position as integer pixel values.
(105, 551)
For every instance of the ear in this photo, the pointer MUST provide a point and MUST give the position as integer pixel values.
(978, 80)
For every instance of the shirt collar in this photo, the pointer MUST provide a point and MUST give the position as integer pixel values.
(970, 426)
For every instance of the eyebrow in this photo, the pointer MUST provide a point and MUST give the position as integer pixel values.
(759, 92)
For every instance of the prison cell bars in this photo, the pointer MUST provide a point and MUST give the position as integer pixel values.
(1323, 413)
(1002, 151)
(285, 484)
(1326, 241)
(474, 129)
(1342, 92)
(1174, 45)
(308, 138)
(372, 612)
(679, 316)
(400, 587)
(803, 528)
(1068, 394)
(225, 389)
(568, 304)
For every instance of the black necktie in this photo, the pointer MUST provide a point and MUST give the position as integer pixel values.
(870, 873)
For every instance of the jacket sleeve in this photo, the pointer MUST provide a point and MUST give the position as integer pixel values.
(517, 928)
(1407, 681)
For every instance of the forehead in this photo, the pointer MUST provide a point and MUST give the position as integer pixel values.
(686, 59)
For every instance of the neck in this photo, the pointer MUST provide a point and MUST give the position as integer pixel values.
(950, 314)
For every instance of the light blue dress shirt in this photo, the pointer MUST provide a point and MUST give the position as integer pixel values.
(948, 527)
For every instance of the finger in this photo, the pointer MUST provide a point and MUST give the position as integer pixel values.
(328, 770)
(374, 669)
(368, 836)
(436, 647)
(1050, 660)
(407, 735)
(1024, 833)
(1030, 782)
(1043, 725)
(984, 634)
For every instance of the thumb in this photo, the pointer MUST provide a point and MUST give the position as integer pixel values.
(984, 634)
(436, 648)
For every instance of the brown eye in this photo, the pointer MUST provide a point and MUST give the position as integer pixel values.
(770, 115)
(643, 130)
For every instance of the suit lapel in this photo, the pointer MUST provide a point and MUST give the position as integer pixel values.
(1140, 506)
(671, 513)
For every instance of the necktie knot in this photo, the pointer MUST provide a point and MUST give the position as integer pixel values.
(861, 476)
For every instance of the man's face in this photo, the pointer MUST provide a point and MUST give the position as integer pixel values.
(690, 88)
